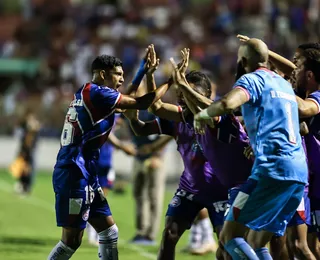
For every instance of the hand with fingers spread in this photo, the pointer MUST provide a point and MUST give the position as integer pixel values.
(199, 125)
(183, 65)
(152, 60)
(178, 76)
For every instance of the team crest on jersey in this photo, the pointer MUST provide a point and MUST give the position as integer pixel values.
(175, 202)
(85, 215)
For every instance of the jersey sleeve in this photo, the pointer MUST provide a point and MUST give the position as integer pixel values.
(251, 85)
(105, 98)
(166, 127)
(315, 97)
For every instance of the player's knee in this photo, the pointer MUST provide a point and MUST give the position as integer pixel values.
(219, 254)
(224, 237)
(109, 235)
(170, 235)
(73, 242)
(301, 247)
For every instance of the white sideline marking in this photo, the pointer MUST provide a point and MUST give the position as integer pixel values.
(34, 201)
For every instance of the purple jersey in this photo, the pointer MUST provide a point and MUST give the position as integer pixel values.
(88, 122)
(314, 122)
(198, 176)
(224, 146)
(313, 155)
(312, 142)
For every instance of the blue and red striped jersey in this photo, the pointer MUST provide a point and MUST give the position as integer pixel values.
(88, 122)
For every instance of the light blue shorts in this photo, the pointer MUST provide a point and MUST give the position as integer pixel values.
(266, 204)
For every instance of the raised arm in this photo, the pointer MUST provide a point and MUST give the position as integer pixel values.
(134, 85)
(190, 95)
(281, 63)
(234, 99)
(159, 108)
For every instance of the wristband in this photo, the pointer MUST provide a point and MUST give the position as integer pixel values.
(140, 73)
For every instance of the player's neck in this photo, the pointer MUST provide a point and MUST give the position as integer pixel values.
(98, 81)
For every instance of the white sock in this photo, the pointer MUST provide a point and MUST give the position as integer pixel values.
(207, 230)
(61, 252)
(195, 237)
(92, 234)
(108, 240)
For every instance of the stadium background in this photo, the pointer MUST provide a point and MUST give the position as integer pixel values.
(46, 47)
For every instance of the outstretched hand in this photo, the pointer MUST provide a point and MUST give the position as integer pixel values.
(183, 65)
(152, 60)
(199, 124)
(177, 75)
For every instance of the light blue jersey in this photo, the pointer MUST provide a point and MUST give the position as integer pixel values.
(272, 121)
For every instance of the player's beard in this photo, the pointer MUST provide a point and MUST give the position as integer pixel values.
(299, 88)
(240, 71)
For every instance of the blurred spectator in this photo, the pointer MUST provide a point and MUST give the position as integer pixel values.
(46, 46)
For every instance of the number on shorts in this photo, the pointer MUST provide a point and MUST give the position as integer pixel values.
(182, 193)
(89, 194)
(68, 129)
(220, 206)
(292, 136)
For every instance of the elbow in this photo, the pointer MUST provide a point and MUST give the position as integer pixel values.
(303, 113)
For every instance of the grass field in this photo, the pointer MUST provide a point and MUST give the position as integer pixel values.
(28, 230)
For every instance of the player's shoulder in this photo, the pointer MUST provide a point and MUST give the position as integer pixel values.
(97, 90)
(255, 76)
(315, 95)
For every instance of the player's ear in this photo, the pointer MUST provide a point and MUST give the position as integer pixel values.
(102, 74)
(309, 75)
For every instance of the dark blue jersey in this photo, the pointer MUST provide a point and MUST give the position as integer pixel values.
(88, 122)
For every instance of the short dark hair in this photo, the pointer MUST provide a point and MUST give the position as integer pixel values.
(200, 80)
(310, 45)
(312, 62)
(105, 62)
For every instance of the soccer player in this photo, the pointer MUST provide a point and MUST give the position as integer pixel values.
(275, 188)
(227, 139)
(88, 122)
(198, 188)
(298, 225)
(306, 80)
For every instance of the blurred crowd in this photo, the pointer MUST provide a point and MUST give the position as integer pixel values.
(46, 46)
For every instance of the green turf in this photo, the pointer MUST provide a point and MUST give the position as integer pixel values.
(28, 230)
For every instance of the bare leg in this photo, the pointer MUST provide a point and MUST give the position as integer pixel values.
(297, 242)
(172, 232)
(278, 248)
(314, 244)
